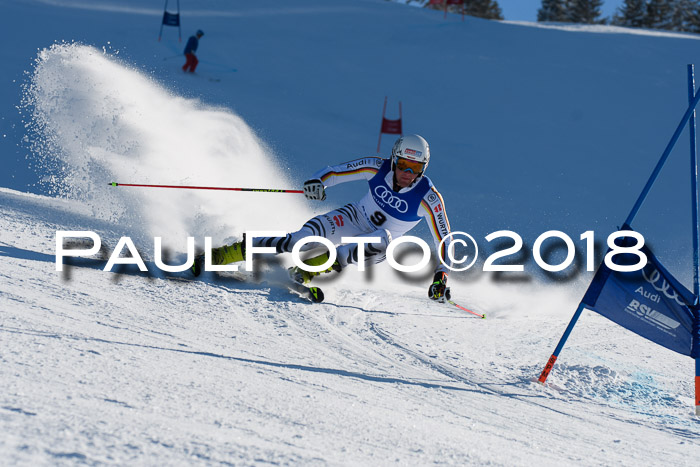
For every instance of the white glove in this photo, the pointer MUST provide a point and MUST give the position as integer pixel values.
(314, 189)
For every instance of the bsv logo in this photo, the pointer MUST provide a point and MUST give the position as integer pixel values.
(387, 197)
(652, 316)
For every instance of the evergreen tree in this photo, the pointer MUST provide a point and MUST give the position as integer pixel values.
(487, 9)
(694, 18)
(677, 16)
(554, 11)
(632, 14)
(659, 13)
(585, 11)
(427, 4)
(683, 15)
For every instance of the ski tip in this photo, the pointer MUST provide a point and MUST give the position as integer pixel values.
(483, 316)
(113, 184)
(316, 294)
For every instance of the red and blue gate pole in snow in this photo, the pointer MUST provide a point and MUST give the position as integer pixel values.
(560, 345)
(690, 113)
(695, 352)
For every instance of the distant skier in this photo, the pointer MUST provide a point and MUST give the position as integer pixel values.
(190, 49)
(399, 195)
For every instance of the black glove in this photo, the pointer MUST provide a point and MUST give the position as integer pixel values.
(438, 289)
(314, 189)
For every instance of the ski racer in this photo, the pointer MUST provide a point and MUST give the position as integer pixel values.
(399, 195)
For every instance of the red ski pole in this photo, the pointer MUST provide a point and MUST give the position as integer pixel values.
(468, 311)
(263, 190)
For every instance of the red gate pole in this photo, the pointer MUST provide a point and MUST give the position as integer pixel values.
(381, 126)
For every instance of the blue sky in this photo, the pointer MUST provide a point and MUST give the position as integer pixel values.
(526, 10)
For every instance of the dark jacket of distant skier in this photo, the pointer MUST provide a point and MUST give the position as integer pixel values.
(190, 48)
(399, 196)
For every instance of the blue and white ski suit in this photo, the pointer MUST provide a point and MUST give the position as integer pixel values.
(382, 212)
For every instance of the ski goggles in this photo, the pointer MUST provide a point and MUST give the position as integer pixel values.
(407, 165)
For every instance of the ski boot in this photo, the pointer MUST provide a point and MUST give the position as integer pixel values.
(223, 255)
(198, 265)
(301, 276)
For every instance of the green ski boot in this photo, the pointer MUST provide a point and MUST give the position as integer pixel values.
(222, 255)
(304, 277)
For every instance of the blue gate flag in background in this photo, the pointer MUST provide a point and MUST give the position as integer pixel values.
(171, 19)
(649, 302)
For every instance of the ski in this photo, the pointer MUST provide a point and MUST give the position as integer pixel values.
(315, 294)
(275, 276)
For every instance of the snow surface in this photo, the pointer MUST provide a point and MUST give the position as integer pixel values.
(530, 128)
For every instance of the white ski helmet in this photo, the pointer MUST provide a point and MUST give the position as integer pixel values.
(412, 147)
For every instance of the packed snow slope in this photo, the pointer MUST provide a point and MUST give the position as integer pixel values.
(126, 368)
(531, 129)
